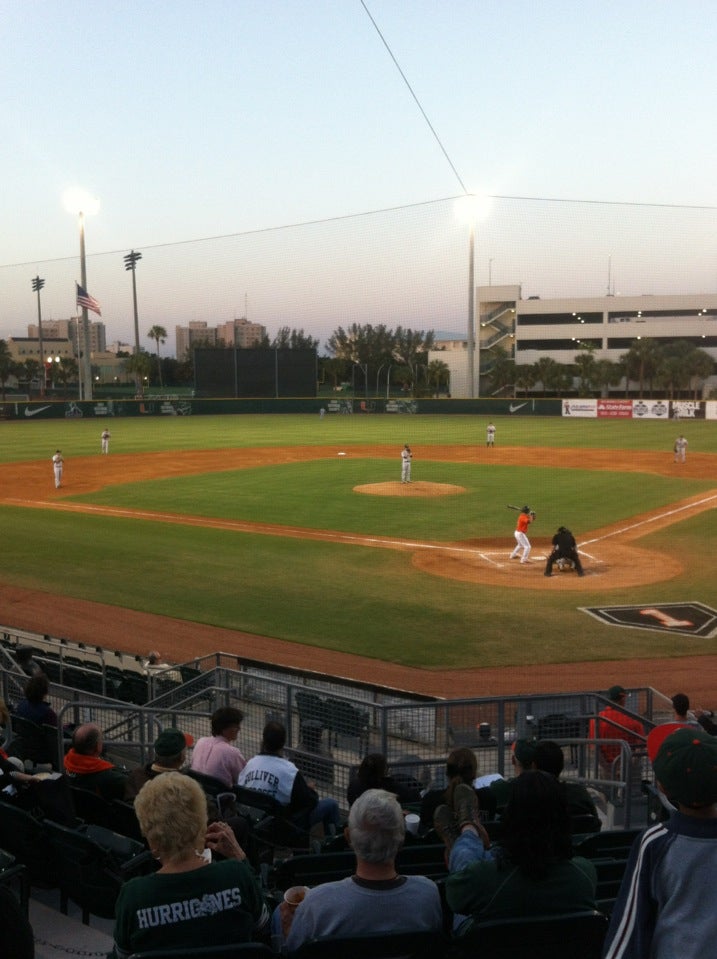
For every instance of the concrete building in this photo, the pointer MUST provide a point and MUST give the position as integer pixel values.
(198, 331)
(239, 332)
(67, 330)
(527, 330)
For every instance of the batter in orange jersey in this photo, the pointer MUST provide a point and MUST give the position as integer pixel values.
(525, 518)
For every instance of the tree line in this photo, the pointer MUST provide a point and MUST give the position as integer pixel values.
(374, 359)
(668, 370)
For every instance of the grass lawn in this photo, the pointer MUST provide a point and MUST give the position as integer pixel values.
(357, 599)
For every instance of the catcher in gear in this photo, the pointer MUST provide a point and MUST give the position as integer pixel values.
(564, 548)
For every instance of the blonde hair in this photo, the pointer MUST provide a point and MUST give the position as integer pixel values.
(172, 814)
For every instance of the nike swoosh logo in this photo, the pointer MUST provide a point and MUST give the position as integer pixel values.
(29, 412)
(514, 407)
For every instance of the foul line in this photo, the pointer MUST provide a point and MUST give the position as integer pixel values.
(329, 536)
(651, 519)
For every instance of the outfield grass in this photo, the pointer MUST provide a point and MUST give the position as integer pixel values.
(38, 439)
(357, 599)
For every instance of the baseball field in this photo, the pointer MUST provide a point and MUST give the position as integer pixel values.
(291, 538)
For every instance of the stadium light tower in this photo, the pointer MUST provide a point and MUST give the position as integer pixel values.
(130, 263)
(37, 285)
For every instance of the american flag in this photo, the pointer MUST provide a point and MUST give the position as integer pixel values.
(86, 301)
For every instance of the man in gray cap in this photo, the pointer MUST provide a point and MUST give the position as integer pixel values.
(170, 754)
(662, 910)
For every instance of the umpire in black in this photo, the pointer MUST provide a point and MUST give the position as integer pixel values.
(564, 547)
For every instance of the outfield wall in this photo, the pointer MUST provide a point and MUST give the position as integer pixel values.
(174, 405)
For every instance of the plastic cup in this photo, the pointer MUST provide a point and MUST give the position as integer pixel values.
(295, 895)
(412, 823)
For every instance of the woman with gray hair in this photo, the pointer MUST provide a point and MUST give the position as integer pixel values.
(191, 900)
(375, 900)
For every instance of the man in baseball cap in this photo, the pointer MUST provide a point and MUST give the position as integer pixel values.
(662, 909)
(170, 754)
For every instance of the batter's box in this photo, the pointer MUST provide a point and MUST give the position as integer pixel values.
(687, 619)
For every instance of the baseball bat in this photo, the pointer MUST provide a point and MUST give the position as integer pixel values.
(518, 508)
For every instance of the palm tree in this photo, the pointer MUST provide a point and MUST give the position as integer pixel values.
(438, 374)
(586, 363)
(641, 362)
(7, 365)
(66, 371)
(139, 364)
(159, 335)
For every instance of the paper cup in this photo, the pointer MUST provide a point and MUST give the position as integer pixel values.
(412, 823)
(295, 895)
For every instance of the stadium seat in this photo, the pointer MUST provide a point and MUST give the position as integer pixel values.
(240, 950)
(570, 936)
(406, 945)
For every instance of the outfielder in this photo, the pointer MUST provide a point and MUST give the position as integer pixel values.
(680, 449)
(57, 462)
(564, 547)
(525, 518)
(406, 457)
(105, 440)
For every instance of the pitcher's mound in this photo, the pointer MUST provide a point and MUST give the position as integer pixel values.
(409, 489)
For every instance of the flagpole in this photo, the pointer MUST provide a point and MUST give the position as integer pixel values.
(86, 371)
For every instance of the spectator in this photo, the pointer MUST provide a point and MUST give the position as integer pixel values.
(170, 754)
(532, 872)
(522, 757)
(12, 772)
(153, 664)
(662, 910)
(681, 706)
(461, 768)
(23, 657)
(271, 773)
(375, 899)
(549, 758)
(190, 901)
(217, 755)
(612, 723)
(35, 706)
(86, 768)
(373, 773)
(705, 717)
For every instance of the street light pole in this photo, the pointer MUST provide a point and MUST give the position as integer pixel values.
(37, 285)
(130, 262)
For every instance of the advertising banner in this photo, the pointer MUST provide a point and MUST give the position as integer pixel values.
(575, 408)
(688, 410)
(711, 410)
(650, 409)
(614, 409)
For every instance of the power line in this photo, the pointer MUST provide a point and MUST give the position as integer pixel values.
(418, 102)
(366, 213)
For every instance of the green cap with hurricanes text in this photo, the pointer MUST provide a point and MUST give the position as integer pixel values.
(686, 767)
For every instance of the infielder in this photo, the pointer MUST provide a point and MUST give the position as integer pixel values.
(680, 449)
(105, 440)
(406, 457)
(525, 518)
(57, 462)
(490, 435)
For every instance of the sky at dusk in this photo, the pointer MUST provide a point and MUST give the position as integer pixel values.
(269, 160)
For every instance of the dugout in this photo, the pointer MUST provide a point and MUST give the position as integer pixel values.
(255, 372)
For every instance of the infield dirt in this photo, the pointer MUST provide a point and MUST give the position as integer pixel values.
(616, 561)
